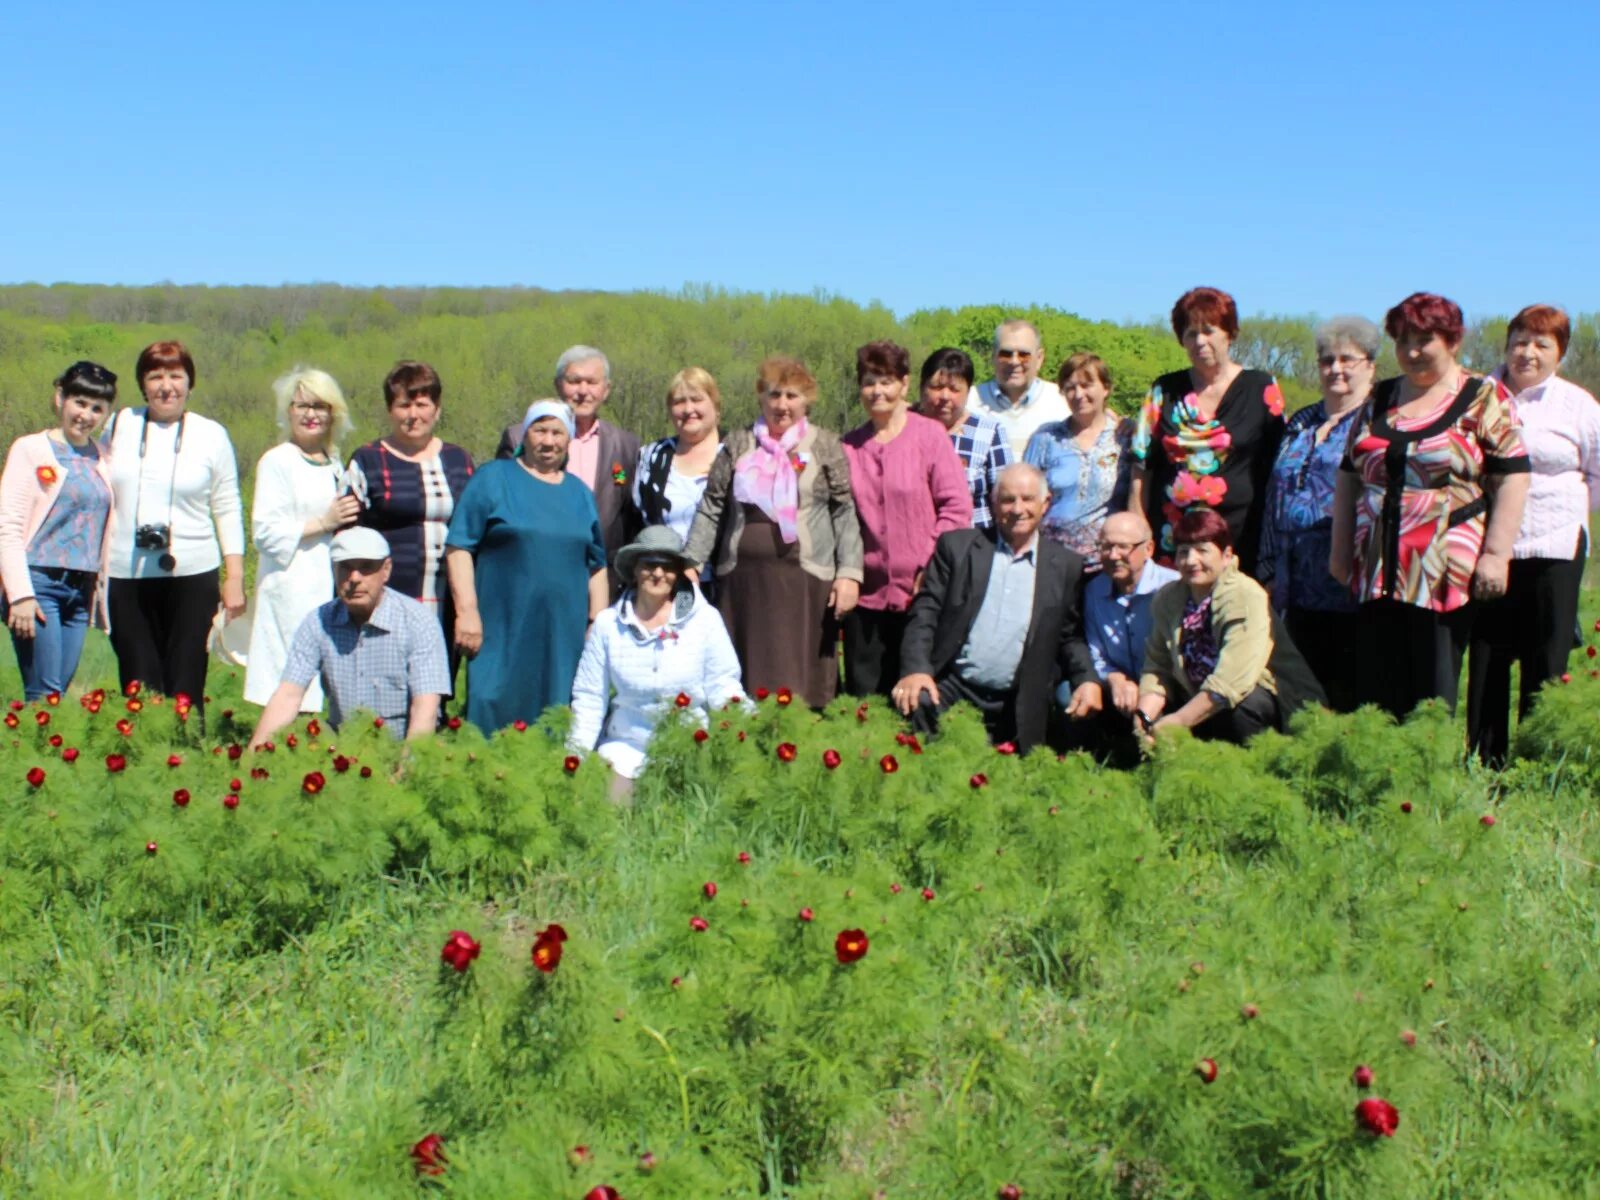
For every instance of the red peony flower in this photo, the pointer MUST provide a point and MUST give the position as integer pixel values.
(174, 760)
(850, 946)
(603, 1192)
(115, 763)
(48, 475)
(1405, 806)
(235, 785)
(341, 764)
(460, 949)
(888, 765)
(11, 720)
(428, 1155)
(862, 712)
(132, 689)
(928, 894)
(806, 914)
(1006, 748)
(291, 741)
(547, 947)
(125, 727)
(741, 735)
(699, 924)
(70, 754)
(682, 700)
(1362, 1076)
(235, 752)
(1487, 820)
(181, 797)
(41, 718)
(784, 697)
(313, 783)
(454, 723)
(53, 699)
(36, 776)
(230, 801)
(1206, 1068)
(894, 889)
(1008, 1191)
(744, 858)
(366, 772)
(55, 741)
(700, 735)
(979, 780)
(1249, 1011)
(150, 847)
(762, 693)
(710, 889)
(571, 763)
(313, 728)
(786, 752)
(579, 1155)
(1378, 1117)
(912, 744)
(831, 759)
(520, 725)
(134, 706)
(377, 722)
(258, 773)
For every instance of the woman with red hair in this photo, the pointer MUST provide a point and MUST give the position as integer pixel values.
(1533, 623)
(1217, 661)
(1426, 509)
(1207, 437)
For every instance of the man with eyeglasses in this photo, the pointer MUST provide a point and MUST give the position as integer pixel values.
(1016, 397)
(1116, 618)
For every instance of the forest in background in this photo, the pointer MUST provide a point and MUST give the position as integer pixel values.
(495, 348)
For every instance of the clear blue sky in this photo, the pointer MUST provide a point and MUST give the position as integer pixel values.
(1100, 158)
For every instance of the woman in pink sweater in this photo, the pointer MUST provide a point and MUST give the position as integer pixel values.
(909, 487)
(55, 514)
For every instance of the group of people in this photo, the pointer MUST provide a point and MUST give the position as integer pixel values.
(1080, 579)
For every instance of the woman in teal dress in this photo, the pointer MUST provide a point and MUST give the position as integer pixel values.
(527, 570)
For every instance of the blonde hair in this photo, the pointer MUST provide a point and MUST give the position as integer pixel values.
(318, 385)
(697, 379)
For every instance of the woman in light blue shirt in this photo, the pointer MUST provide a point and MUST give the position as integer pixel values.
(1085, 460)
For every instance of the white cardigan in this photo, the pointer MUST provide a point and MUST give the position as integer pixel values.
(691, 654)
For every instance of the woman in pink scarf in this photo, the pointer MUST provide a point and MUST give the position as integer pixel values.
(778, 525)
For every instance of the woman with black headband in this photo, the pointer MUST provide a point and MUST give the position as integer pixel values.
(177, 533)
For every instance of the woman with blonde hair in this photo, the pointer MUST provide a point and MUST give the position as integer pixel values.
(300, 502)
(671, 473)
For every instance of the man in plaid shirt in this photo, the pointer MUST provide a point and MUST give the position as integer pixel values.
(979, 441)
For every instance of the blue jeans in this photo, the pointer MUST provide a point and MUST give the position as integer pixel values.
(49, 659)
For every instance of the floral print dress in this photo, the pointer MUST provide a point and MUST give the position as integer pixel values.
(1422, 516)
(1220, 463)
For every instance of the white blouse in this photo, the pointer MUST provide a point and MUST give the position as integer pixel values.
(1561, 429)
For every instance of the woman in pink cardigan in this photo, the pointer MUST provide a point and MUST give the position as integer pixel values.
(55, 517)
(909, 487)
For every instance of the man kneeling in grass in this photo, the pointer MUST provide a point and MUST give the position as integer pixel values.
(373, 647)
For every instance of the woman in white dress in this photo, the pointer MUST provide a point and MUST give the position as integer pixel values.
(301, 501)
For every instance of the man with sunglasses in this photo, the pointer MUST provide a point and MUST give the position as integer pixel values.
(1016, 397)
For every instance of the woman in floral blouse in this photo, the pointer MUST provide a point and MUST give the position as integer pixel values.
(1297, 530)
(1084, 459)
(1206, 437)
(1429, 499)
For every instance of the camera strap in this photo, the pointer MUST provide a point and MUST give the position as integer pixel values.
(172, 481)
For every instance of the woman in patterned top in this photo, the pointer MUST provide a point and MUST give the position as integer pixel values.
(1084, 459)
(981, 445)
(1206, 437)
(1429, 498)
(408, 483)
(1297, 529)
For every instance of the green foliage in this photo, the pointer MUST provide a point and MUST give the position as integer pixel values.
(262, 1000)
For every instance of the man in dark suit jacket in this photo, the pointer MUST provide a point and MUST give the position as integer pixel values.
(997, 620)
(602, 456)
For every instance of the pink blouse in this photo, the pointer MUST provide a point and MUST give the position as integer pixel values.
(907, 491)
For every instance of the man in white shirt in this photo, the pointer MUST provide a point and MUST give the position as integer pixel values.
(1016, 397)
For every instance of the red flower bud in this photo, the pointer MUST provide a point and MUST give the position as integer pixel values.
(70, 754)
(150, 847)
(428, 1155)
(181, 797)
(744, 858)
(313, 729)
(1362, 1076)
(784, 697)
(132, 689)
(230, 801)
(41, 718)
(547, 945)
(125, 727)
(460, 948)
(850, 946)
(36, 776)
(741, 735)
(366, 772)
(341, 764)
(786, 752)
(453, 724)
(53, 699)
(894, 889)
(1591, 652)
(520, 726)
(710, 889)
(762, 693)
(1487, 820)
(1006, 748)
(807, 915)
(1408, 1037)
(11, 721)
(1378, 1117)
(1249, 1012)
(377, 722)
(927, 893)
(682, 700)
(862, 712)
(979, 780)
(1008, 1191)
(699, 924)
(115, 763)
(888, 765)
(235, 752)
(1206, 1068)
(313, 783)
(700, 735)
(831, 759)
(1405, 806)
(1566, 677)
(291, 741)
(647, 1162)
(571, 763)
(603, 1192)
(174, 760)
(234, 785)
(56, 740)
(134, 706)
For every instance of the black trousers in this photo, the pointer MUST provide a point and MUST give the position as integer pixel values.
(1532, 624)
(1416, 654)
(1108, 735)
(872, 651)
(1337, 648)
(1257, 711)
(998, 709)
(159, 629)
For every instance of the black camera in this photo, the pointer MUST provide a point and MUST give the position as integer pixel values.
(152, 537)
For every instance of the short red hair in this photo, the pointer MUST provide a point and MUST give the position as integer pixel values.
(1205, 306)
(1202, 525)
(1544, 319)
(781, 371)
(162, 356)
(1425, 312)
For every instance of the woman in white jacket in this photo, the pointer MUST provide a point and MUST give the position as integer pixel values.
(659, 647)
(300, 503)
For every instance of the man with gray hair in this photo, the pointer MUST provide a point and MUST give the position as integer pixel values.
(996, 622)
(602, 456)
(1016, 397)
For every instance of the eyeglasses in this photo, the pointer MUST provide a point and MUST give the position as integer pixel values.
(1016, 355)
(1342, 360)
(300, 406)
(1107, 547)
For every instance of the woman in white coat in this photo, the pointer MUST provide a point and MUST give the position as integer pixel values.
(658, 648)
(300, 503)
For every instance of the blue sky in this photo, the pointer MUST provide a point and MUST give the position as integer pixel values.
(1096, 158)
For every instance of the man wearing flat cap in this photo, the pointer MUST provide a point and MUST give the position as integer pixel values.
(373, 648)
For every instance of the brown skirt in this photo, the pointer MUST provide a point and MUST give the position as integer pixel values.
(778, 616)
